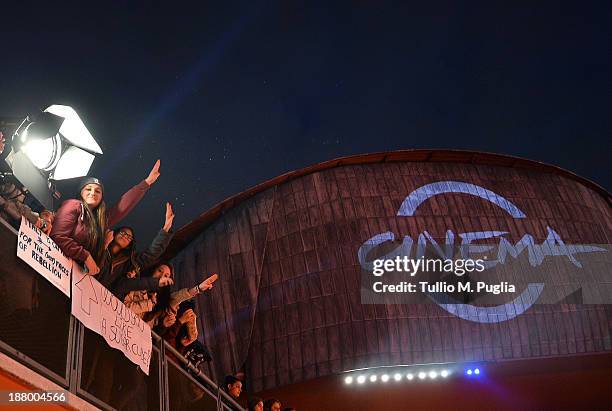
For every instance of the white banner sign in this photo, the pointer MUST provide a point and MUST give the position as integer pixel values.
(41, 253)
(100, 311)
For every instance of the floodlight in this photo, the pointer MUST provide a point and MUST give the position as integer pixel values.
(53, 145)
(73, 129)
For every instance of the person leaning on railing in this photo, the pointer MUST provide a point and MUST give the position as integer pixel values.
(183, 331)
(124, 262)
(165, 312)
(12, 208)
(129, 385)
(80, 224)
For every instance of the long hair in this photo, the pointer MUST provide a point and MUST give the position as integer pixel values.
(253, 401)
(128, 253)
(96, 230)
(269, 403)
(163, 294)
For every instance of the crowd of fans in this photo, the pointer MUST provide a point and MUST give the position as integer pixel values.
(87, 231)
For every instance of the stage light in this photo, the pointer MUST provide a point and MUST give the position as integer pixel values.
(73, 129)
(42, 126)
(444, 373)
(75, 162)
(53, 145)
(348, 380)
(469, 372)
(433, 375)
(410, 377)
(39, 140)
(361, 379)
(43, 153)
(477, 371)
(384, 378)
(422, 375)
(397, 377)
(373, 378)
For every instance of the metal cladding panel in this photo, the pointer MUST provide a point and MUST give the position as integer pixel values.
(287, 307)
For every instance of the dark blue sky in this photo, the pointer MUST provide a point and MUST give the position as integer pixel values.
(230, 95)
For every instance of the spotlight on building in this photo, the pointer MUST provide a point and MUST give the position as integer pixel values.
(469, 372)
(444, 373)
(476, 371)
(361, 379)
(422, 375)
(348, 380)
(410, 377)
(397, 377)
(433, 375)
(384, 378)
(50, 146)
(373, 378)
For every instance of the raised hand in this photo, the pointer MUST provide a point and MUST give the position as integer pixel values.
(208, 283)
(108, 238)
(154, 174)
(169, 319)
(169, 217)
(187, 316)
(165, 281)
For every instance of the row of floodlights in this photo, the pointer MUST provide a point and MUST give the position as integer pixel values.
(421, 375)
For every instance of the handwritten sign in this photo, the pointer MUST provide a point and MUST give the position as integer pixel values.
(103, 313)
(41, 253)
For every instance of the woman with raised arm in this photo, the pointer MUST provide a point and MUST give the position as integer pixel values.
(164, 312)
(80, 224)
(122, 259)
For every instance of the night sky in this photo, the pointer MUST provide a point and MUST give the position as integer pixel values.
(231, 95)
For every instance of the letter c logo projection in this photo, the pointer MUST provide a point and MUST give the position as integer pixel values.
(552, 246)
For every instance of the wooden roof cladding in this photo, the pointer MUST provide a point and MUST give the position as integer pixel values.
(191, 230)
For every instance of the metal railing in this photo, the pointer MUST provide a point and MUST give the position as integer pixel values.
(38, 330)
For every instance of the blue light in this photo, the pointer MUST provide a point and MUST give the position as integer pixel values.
(469, 372)
(476, 371)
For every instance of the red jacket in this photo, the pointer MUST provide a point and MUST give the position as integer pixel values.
(70, 226)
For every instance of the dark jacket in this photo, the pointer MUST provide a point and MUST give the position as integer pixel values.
(70, 226)
(119, 267)
(124, 285)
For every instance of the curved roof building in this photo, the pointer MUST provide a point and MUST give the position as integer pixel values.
(292, 252)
